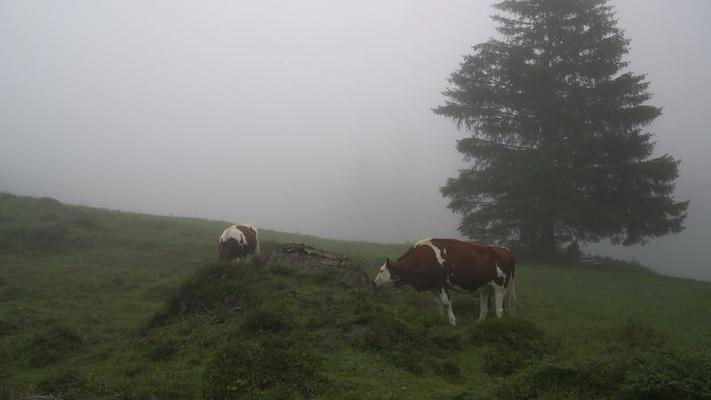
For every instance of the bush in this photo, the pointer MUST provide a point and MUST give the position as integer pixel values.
(274, 368)
(405, 346)
(385, 333)
(217, 287)
(571, 379)
(510, 344)
(502, 361)
(665, 375)
(634, 335)
(649, 375)
(445, 339)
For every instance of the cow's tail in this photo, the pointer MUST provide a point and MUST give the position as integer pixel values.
(258, 249)
(511, 296)
(511, 292)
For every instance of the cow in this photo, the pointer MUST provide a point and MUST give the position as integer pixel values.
(238, 241)
(441, 264)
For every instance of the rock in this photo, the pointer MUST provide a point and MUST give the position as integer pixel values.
(309, 260)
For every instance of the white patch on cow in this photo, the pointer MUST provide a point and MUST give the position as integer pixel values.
(499, 272)
(437, 251)
(383, 279)
(446, 303)
(233, 233)
(494, 285)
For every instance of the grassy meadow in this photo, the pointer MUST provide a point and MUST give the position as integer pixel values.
(106, 304)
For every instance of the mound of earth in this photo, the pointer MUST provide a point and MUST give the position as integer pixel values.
(308, 260)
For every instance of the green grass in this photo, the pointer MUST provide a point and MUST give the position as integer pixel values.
(113, 305)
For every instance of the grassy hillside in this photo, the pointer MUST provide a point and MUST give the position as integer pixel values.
(88, 310)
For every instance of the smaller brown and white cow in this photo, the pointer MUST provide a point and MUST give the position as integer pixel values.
(238, 241)
(441, 264)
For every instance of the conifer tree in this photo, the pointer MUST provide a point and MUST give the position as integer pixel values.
(558, 144)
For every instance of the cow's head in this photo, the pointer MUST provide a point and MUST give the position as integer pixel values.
(388, 275)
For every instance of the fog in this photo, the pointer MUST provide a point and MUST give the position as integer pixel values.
(310, 116)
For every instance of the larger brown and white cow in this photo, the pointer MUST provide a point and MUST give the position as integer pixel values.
(238, 241)
(441, 264)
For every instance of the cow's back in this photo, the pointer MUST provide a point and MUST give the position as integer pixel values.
(505, 260)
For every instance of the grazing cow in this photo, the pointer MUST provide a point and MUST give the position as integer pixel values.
(440, 264)
(238, 241)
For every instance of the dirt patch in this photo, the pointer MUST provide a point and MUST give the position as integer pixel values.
(308, 260)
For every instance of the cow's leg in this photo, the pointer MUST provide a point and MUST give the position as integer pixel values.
(441, 307)
(483, 302)
(499, 292)
(444, 300)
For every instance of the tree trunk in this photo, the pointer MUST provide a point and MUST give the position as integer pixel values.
(547, 250)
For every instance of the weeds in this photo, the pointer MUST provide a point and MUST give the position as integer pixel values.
(272, 368)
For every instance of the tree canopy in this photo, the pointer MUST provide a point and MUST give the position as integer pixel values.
(558, 144)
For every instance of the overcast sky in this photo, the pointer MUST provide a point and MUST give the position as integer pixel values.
(308, 116)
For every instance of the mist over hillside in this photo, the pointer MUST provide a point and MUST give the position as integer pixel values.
(312, 117)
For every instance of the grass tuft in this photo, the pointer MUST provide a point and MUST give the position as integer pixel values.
(52, 345)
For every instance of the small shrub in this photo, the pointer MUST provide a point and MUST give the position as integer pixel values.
(634, 335)
(502, 361)
(403, 345)
(273, 368)
(666, 375)
(511, 344)
(386, 333)
(446, 339)
(217, 287)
